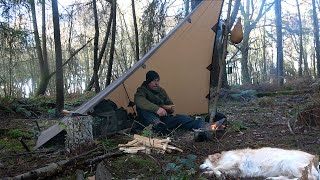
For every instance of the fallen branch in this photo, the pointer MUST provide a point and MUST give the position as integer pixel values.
(46, 171)
(102, 157)
(57, 167)
(24, 144)
(154, 160)
(289, 126)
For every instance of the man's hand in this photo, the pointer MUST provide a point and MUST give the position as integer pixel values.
(161, 112)
(169, 108)
(172, 109)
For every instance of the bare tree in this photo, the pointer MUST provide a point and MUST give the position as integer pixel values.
(45, 77)
(135, 30)
(153, 24)
(102, 50)
(300, 40)
(316, 36)
(58, 54)
(41, 52)
(249, 25)
(112, 49)
(95, 48)
(278, 13)
(264, 68)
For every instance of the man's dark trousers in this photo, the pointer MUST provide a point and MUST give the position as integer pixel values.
(168, 122)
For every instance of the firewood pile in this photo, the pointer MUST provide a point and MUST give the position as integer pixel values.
(148, 145)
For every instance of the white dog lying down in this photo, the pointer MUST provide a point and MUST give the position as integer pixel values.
(272, 163)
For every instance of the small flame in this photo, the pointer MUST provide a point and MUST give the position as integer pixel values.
(218, 125)
(215, 125)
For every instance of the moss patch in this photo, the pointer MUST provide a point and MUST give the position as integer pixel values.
(9, 140)
(139, 165)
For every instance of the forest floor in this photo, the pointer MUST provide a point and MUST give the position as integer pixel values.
(254, 123)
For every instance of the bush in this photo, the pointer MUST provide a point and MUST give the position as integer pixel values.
(16, 133)
(183, 168)
(266, 102)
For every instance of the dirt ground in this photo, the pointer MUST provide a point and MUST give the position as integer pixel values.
(257, 122)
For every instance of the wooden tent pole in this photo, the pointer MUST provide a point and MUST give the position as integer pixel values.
(222, 63)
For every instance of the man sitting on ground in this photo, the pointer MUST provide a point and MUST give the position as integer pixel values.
(155, 108)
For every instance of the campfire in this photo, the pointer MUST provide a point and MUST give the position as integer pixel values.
(217, 130)
(219, 125)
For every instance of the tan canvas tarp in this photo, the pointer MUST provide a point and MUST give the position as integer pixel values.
(181, 61)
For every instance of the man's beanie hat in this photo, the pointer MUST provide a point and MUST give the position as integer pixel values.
(152, 75)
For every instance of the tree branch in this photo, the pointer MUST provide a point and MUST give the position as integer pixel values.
(54, 168)
(70, 58)
(261, 13)
(234, 13)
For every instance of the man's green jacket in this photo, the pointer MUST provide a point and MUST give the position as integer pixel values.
(150, 100)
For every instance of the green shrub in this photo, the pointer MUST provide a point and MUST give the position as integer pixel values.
(147, 131)
(138, 164)
(183, 168)
(16, 133)
(237, 126)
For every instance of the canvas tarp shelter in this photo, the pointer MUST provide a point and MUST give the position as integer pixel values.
(181, 59)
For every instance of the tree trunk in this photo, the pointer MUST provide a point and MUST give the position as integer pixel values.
(313, 60)
(46, 77)
(279, 42)
(114, 12)
(79, 133)
(316, 36)
(249, 25)
(58, 54)
(245, 44)
(194, 3)
(305, 65)
(95, 48)
(264, 68)
(135, 30)
(10, 66)
(234, 14)
(244, 59)
(71, 73)
(43, 65)
(300, 41)
(102, 50)
(186, 7)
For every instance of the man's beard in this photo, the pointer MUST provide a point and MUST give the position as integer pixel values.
(155, 88)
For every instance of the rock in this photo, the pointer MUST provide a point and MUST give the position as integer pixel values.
(102, 172)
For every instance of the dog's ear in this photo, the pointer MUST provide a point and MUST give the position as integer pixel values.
(215, 157)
